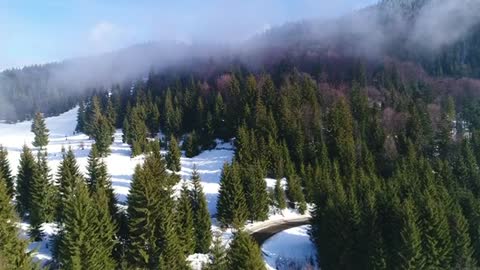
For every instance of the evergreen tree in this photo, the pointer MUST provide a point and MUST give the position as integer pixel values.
(39, 128)
(201, 216)
(105, 228)
(190, 145)
(5, 172)
(255, 189)
(279, 195)
(12, 248)
(218, 255)
(231, 205)
(81, 240)
(68, 175)
(98, 178)
(26, 171)
(43, 194)
(81, 117)
(152, 235)
(173, 155)
(411, 253)
(185, 221)
(244, 253)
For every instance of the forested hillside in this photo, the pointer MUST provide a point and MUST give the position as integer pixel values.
(382, 142)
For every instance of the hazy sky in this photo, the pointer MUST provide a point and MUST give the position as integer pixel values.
(39, 31)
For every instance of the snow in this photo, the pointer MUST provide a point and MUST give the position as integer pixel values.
(121, 167)
(291, 246)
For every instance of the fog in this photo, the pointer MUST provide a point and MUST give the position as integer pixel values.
(234, 29)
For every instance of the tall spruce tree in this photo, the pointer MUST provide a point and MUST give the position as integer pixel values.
(13, 253)
(201, 216)
(68, 175)
(43, 194)
(39, 128)
(26, 171)
(244, 253)
(5, 172)
(173, 155)
(80, 242)
(279, 195)
(218, 255)
(231, 205)
(98, 178)
(152, 236)
(185, 222)
(256, 194)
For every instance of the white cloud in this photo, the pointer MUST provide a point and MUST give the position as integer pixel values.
(103, 31)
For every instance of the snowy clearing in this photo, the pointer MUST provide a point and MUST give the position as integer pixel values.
(290, 249)
(121, 167)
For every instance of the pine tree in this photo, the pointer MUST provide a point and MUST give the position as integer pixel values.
(173, 155)
(294, 191)
(218, 255)
(105, 228)
(463, 253)
(255, 189)
(68, 175)
(5, 172)
(43, 194)
(201, 216)
(80, 242)
(279, 195)
(244, 253)
(81, 117)
(39, 128)
(152, 236)
(231, 205)
(185, 221)
(190, 145)
(26, 171)
(411, 253)
(98, 178)
(12, 248)
(102, 133)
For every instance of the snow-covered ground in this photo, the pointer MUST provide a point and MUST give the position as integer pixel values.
(290, 249)
(120, 166)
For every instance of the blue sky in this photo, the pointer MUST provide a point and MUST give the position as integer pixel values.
(40, 31)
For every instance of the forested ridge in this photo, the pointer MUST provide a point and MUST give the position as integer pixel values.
(386, 151)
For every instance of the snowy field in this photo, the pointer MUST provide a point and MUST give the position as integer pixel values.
(290, 249)
(120, 166)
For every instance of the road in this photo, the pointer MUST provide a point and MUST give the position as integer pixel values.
(262, 231)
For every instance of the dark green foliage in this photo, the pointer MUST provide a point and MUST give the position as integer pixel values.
(173, 155)
(244, 253)
(81, 117)
(231, 205)
(12, 249)
(201, 216)
(40, 130)
(218, 256)
(68, 175)
(26, 171)
(86, 238)
(190, 145)
(255, 189)
(43, 199)
(152, 235)
(5, 172)
(279, 195)
(185, 221)
(98, 178)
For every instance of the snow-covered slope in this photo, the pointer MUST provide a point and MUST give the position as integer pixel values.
(290, 249)
(120, 164)
(121, 167)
